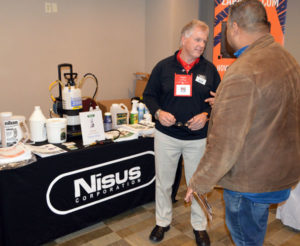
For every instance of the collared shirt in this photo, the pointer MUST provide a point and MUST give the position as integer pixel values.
(240, 51)
(187, 67)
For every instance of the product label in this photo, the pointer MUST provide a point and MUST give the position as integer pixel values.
(107, 123)
(76, 102)
(11, 131)
(133, 118)
(63, 134)
(121, 118)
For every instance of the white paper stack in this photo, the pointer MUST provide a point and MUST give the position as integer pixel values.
(140, 129)
(16, 153)
(46, 150)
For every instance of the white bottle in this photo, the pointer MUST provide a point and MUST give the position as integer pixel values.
(119, 114)
(134, 113)
(141, 111)
(4, 116)
(37, 125)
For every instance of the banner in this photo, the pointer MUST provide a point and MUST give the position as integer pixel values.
(222, 53)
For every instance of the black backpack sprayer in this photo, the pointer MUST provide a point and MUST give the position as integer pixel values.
(69, 102)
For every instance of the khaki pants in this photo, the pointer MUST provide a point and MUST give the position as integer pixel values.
(167, 153)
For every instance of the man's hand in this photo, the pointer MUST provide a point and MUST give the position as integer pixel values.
(189, 195)
(211, 100)
(197, 122)
(166, 118)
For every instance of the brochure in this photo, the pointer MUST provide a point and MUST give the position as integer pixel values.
(202, 200)
(122, 134)
(140, 129)
(46, 150)
(92, 129)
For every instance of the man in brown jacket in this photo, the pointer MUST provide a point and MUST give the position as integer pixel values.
(253, 144)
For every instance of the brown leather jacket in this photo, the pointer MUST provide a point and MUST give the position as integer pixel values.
(253, 143)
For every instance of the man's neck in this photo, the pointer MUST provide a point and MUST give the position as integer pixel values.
(249, 38)
(186, 58)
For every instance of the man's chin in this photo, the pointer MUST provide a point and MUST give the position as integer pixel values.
(198, 54)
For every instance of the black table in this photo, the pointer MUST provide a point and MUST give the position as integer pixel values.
(60, 194)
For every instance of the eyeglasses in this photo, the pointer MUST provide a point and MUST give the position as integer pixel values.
(180, 124)
(184, 127)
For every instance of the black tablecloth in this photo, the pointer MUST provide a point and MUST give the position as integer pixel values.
(60, 194)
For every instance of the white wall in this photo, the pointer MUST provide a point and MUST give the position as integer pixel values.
(292, 32)
(164, 21)
(105, 37)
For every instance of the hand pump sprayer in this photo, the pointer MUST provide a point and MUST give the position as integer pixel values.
(69, 102)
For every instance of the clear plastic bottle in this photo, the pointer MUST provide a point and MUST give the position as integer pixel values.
(141, 111)
(37, 125)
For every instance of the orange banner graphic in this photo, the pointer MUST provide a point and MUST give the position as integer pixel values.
(222, 53)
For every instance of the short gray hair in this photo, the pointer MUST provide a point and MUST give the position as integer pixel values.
(249, 15)
(187, 30)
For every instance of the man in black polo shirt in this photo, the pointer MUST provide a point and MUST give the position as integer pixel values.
(175, 95)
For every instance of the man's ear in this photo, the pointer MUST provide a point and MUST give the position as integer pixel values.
(235, 28)
(182, 40)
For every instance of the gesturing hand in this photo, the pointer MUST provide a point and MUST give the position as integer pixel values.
(211, 100)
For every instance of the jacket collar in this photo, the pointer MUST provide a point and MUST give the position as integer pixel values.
(260, 43)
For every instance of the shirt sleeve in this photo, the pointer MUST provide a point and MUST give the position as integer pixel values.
(231, 120)
(151, 95)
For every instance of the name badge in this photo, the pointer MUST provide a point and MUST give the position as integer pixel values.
(201, 79)
(183, 85)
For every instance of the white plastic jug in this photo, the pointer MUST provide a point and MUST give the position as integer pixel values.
(119, 115)
(37, 125)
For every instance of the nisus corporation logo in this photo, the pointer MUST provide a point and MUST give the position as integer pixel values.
(82, 188)
(108, 184)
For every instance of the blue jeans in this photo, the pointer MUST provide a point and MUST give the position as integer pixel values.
(246, 220)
